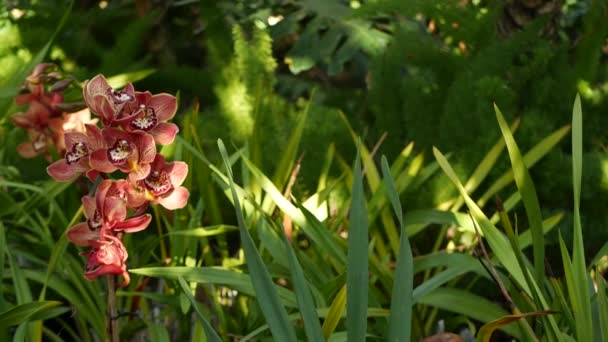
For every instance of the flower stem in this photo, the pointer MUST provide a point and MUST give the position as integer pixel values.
(112, 313)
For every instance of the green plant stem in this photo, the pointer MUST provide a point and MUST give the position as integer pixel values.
(163, 248)
(112, 313)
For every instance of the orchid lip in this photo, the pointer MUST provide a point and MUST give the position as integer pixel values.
(147, 121)
(94, 222)
(120, 152)
(158, 183)
(76, 153)
(120, 96)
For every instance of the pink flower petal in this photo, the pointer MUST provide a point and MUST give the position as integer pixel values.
(72, 138)
(164, 133)
(177, 172)
(89, 206)
(99, 161)
(177, 200)
(61, 171)
(134, 224)
(95, 137)
(146, 147)
(81, 234)
(97, 85)
(26, 150)
(104, 108)
(140, 173)
(100, 195)
(165, 106)
(114, 210)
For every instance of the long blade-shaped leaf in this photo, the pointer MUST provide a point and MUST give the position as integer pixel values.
(335, 313)
(528, 195)
(400, 320)
(212, 336)
(266, 294)
(584, 331)
(357, 260)
(303, 295)
(23, 312)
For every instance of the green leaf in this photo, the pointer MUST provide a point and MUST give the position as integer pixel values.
(303, 294)
(266, 294)
(530, 158)
(602, 304)
(23, 312)
(210, 275)
(526, 187)
(497, 241)
(400, 320)
(157, 332)
(212, 336)
(121, 80)
(335, 313)
(582, 300)
(358, 263)
(468, 304)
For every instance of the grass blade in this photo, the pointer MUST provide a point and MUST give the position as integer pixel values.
(400, 320)
(23, 312)
(303, 294)
(212, 336)
(266, 294)
(582, 304)
(357, 260)
(335, 313)
(602, 306)
(528, 195)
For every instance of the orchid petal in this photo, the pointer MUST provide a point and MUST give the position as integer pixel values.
(89, 206)
(134, 224)
(26, 150)
(176, 200)
(164, 104)
(100, 162)
(164, 133)
(81, 234)
(177, 172)
(61, 171)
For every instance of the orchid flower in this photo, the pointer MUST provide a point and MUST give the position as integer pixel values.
(106, 102)
(36, 120)
(131, 153)
(163, 184)
(79, 146)
(150, 113)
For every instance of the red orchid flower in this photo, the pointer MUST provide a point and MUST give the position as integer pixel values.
(108, 256)
(129, 152)
(78, 146)
(106, 102)
(163, 184)
(36, 120)
(106, 213)
(149, 114)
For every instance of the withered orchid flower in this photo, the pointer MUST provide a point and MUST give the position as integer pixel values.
(106, 102)
(149, 115)
(108, 256)
(163, 184)
(130, 152)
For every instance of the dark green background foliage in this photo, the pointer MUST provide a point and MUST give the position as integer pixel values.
(380, 63)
